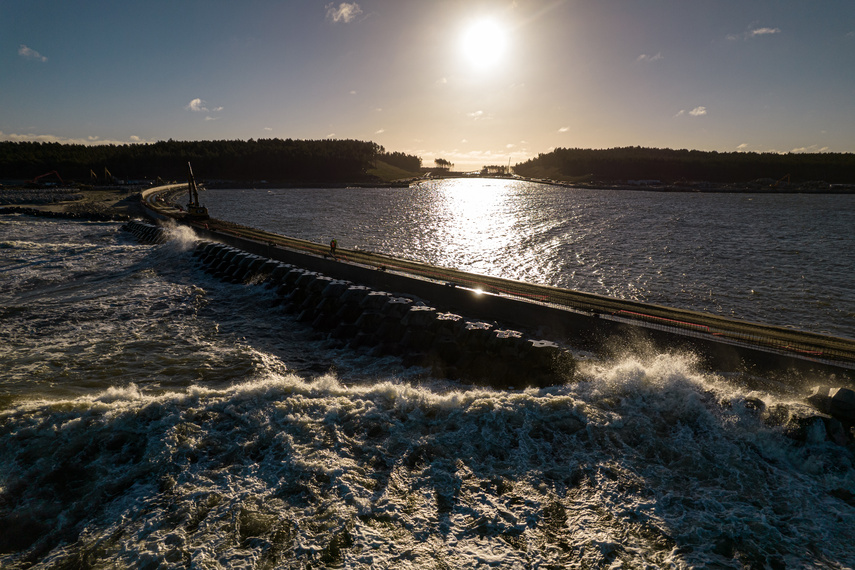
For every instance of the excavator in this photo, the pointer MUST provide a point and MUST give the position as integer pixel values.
(34, 183)
(195, 211)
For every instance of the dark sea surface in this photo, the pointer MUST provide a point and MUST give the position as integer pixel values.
(152, 416)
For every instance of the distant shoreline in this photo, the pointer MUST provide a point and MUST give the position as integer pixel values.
(124, 201)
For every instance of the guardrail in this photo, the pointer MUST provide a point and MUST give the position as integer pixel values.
(836, 351)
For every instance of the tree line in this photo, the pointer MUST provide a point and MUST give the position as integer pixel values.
(669, 166)
(263, 159)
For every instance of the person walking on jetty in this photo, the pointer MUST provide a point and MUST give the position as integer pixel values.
(333, 245)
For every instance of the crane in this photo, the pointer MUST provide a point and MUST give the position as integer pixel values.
(781, 179)
(194, 210)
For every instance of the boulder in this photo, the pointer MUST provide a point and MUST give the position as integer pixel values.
(836, 402)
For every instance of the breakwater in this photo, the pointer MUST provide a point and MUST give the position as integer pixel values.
(457, 347)
(361, 317)
(602, 326)
(588, 321)
(81, 215)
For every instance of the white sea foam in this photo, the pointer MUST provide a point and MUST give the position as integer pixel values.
(394, 474)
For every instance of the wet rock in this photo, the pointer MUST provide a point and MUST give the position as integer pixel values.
(814, 429)
(837, 402)
(397, 307)
(419, 316)
(374, 300)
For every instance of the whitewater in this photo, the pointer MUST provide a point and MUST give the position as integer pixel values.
(152, 416)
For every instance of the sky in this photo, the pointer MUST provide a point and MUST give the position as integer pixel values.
(480, 82)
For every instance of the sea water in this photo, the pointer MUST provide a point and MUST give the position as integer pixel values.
(151, 416)
(781, 259)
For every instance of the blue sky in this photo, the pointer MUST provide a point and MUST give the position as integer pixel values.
(723, 75)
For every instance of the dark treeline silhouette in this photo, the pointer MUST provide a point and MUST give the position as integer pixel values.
(637, 163)
(403, 161)
(263, 159)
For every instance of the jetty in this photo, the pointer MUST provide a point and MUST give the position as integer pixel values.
(505, 320)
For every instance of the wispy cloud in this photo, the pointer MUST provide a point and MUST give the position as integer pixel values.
(696, 112)
(480, 115)
(344, 12)
(201, 106)
(645, 57)
(29, 53)
(89, 140)
(810, 149)
(563, 129)
(379, 131)
(754, 33)
(743, 146)
(764, 31)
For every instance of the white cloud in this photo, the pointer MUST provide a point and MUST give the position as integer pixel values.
(754, 33)
(196, 105)
(200, 106)
(476, 115)
(563, 129)
(743, 146)
(353, 92)
(379, 131)
(810, 149)
(645, 57)
(764, 31)
(135, 139)
(267, 129)
(698, 112)
(344, 12)
(28, 53)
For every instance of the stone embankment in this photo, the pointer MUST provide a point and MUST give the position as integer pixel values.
(453, 346)
(360, 317)
(66, 215)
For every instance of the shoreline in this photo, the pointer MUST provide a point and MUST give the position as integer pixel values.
(123, 203)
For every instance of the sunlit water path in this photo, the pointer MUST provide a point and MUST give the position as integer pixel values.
(151, 416)
(784, 259)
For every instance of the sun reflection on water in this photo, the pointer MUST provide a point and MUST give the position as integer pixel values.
(475, 215)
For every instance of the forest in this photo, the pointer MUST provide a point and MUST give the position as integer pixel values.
(262, 159)
(672, 166)
(350, 161)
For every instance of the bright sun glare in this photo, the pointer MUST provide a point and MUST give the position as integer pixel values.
(484, 43)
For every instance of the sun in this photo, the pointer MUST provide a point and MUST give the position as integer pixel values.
(484, 43)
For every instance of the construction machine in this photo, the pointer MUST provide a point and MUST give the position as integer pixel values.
(195, 211)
